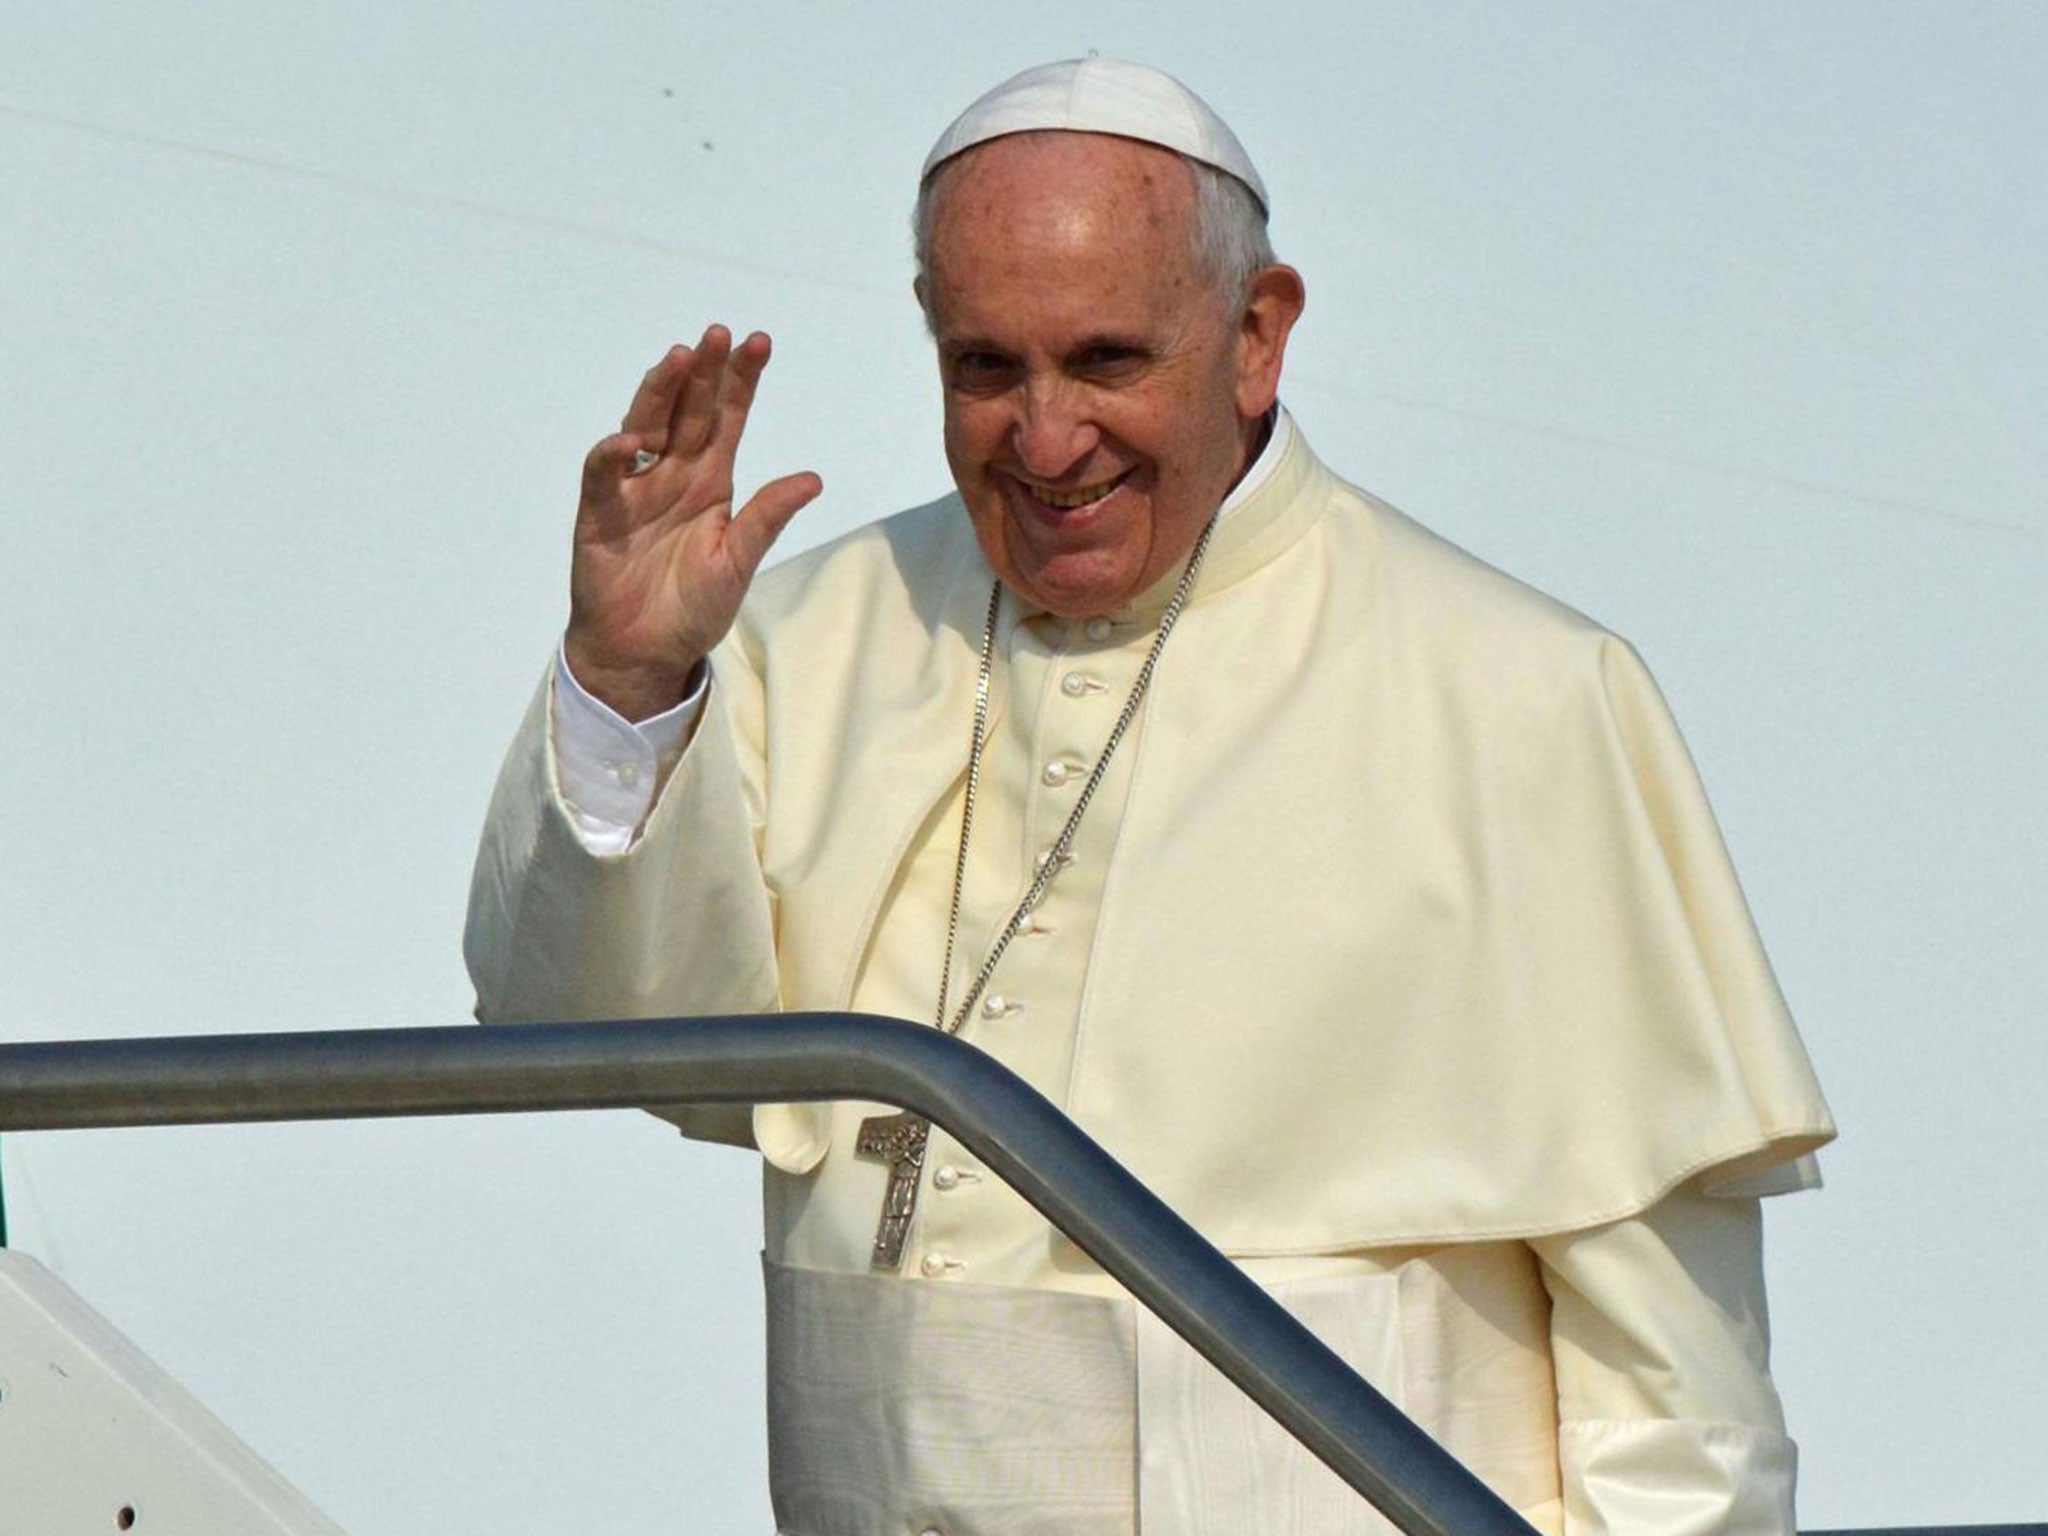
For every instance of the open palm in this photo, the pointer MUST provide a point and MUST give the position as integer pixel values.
(661, 558)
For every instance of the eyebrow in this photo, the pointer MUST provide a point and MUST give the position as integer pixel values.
(1119, 340)
(971, 344)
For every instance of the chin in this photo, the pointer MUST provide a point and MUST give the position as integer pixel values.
(1072, 594)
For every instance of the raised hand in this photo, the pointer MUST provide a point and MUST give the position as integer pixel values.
(661, 560)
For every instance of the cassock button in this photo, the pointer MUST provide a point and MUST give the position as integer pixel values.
(629, 774)
(945, 1177)
(935, 1265)
(1054, 773)
(1098, 629)
(994, 1006)
(1073, 685)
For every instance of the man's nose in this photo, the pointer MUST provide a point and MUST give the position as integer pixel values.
(1054, 430)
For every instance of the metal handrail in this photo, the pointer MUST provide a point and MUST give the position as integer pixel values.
(1021, 1136)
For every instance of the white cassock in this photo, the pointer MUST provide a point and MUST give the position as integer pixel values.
(1398, 951)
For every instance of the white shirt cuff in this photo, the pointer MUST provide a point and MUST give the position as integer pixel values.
(1676, 1477)
(609, 769)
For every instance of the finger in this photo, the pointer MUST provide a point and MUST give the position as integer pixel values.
(690, 421)
(609, 462)
(761, 521)
(655, 398)
(736, 399)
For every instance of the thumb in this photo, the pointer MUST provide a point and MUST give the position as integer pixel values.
(761, 521)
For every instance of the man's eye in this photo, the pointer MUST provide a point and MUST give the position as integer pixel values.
(980, 370)
(1110, 362)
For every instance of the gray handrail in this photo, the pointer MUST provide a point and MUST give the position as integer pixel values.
(1075, 1185)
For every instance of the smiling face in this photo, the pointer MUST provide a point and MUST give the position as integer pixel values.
(1102, 396)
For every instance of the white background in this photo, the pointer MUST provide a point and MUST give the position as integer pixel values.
(1724, 322)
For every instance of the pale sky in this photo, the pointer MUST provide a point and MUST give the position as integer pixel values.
(1721, 321)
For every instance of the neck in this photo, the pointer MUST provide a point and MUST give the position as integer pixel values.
(1255, 434)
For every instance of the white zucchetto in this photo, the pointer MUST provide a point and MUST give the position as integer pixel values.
(1096, 95)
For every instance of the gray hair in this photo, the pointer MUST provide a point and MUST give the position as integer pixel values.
(1231, 245)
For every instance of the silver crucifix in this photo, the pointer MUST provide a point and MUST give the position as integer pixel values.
(898, 1140)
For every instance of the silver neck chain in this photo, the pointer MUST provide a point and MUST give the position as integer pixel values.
(1052, 859)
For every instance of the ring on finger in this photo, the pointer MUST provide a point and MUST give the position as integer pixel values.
(644, 460)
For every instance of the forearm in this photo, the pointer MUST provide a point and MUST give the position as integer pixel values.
(677, 923)
(1668, 1422)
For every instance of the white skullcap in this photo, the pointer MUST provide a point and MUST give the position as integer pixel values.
(1095, 95)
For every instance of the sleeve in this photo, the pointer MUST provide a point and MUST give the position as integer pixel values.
(611, 769)
(678, 922)
(1668, 1424)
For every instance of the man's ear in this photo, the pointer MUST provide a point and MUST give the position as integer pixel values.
(1273, 302)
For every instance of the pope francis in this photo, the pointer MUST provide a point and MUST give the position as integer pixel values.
(1363, 901)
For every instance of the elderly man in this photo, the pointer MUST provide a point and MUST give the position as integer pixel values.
(1363, 901)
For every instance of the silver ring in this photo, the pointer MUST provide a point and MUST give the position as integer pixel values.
(644, 460)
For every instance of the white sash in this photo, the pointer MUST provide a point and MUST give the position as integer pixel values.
(898, 1407)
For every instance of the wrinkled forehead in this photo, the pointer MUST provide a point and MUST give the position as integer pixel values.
(1100, 96)
(1022, 172)
(1053, 204)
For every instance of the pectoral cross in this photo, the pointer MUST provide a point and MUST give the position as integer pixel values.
(898, 1140)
